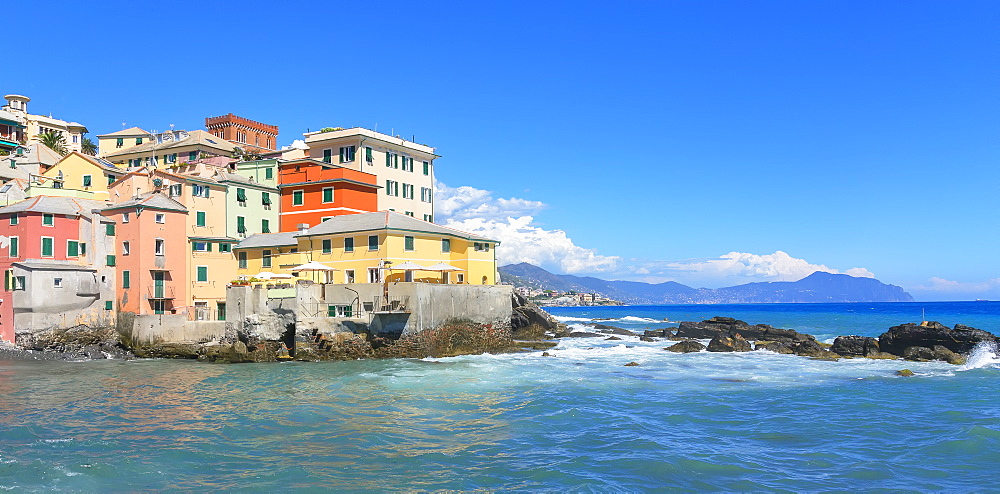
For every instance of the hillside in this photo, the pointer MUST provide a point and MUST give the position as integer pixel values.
(815, 288)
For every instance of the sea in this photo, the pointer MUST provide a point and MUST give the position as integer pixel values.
(578, 420)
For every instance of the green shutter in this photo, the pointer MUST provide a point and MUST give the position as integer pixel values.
(72, 249)
(241, 195)
(368, 154)
(297, 198)
(202, 273)
(331, 311)
(408, 243)
(126, 279)
(46, 247)
(193, 155)
(241, 226)
(111, 260)
(427, 168)
(13, 247)
(87, 180)
(120, 141)
(48, 220)
(269, 173)
(328, 194)
(109, 229)
(108, 305)
(265, 226)
(208, 246)
(200, 218)
(388, 159)
(327, 246)
(265, 198)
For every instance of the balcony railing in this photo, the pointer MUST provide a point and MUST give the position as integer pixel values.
(164, 292)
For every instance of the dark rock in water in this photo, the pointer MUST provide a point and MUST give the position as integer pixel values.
(810, 349)
(686, 346)
(774, 346)
(529, 322)
(617, 331)
(904, 373)
(657, 333)
(734, 343)
(583, 334)
(646, 338)
(728, 326)
(612, 338)
(546, 354)
(961, 339)
(938, 352)
(856, 346)
(632, 364)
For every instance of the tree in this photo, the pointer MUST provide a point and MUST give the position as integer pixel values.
(53, 141)
(241, 154)
(88, 146)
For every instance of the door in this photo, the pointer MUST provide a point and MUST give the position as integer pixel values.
(158, 284)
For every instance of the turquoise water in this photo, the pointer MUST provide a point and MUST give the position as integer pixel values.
(576, 421)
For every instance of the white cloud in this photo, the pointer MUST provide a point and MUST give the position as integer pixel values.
(736, 268)
(296, 144)
(466, 202)
(943, 285)
(511, 222)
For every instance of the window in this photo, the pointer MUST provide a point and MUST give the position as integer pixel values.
(88, 180)
(460, 278)
(373, 242)
(202, 274)
(72, 248)
(445, 245)
(327, 246)
(427, 168)
(125, 248)
(368, 155)
(481, 246)
(265, 199)
(348, 276)
(265, 226)
(159, 247)
(13, 252)
(242, 258)
(110, 260)
(388, 159)
(220, 311)
(13, 219)
(199, 218)
(328, 194)
(339, 311)
(111, 179)
(83, 248)
(48, 220)
(374, 276)
(119, 142)
(57, 282)
(47, 246)
(408, 243)
(201, 246)
(297, 197)
(193, 155)
(392, 188)
(407, 191)
(171, 158)
(241, 226)
(124, 217)
(265, 260)
(161, 218)
(347, 154)
(138, 140)
(19, 283)
(199, 190)
(126, 279)
(425, 194)
(241, 197)
(174, 190)
(325, 218)
(349, 244)
(327, 156)
(109, 305)
(225, 247)
(109, 229)
(269, 173)
(409, 213)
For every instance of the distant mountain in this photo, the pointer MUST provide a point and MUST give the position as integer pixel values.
(815, 288)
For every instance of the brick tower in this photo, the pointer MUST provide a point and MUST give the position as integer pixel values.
(248, 134)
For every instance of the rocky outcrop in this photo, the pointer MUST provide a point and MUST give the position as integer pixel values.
(686, 346)
(734, 343)
(856, 346)
(937, 352)
(530, 322)
(960, 339)
(773, 346)
(77, 342)
(728, 326)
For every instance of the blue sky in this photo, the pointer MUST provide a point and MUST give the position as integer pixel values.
(711, 143)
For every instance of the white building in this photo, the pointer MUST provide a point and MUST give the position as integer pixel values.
(35, 125)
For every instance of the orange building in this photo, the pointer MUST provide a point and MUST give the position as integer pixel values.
(243, 132)
(312, 191)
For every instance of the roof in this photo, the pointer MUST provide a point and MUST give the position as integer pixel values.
(31, 264)
(6, 115)
(223, 176)
(383, 220)
(129, 132)
(103, 164)
(213, 239)
(55, 205)
(153, 200)
(268, 240)
(194, 138)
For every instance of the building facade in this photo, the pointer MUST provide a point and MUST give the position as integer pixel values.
(35, 125)
(78, 171)
(313, 191)
(404, 169)
(164, 149)
(243, 132)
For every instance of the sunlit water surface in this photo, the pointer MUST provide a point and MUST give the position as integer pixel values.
(578, 420)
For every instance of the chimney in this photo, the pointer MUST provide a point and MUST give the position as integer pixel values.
(302, 227)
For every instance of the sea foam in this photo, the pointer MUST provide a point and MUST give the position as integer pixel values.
(985, 354)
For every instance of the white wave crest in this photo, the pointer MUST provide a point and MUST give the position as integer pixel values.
(637, 319)
(572, 319)
(985, 354)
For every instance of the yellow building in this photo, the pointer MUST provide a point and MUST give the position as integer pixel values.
(374, 247)
(162, 150)
(77, 171)
(122, 140)
(36, 125)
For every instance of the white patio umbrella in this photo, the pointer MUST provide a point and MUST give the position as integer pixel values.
(409, 265)
(442, 267)
(312, 266)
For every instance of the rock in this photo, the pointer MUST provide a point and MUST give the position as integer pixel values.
(632, 364)
(612, 338)
(855, 346)
(528, 321)
(811, 348)
(655, 333)
(774, 346)
(904, 373)
(646, 338)
(583, 334)
(938, 352)
(961, 339)
(735, 343)
(686, 346)
(546, 354)
(728, 326)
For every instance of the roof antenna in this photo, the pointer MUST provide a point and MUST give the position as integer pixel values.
(123, 125)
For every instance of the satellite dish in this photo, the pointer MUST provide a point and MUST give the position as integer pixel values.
(4, 241)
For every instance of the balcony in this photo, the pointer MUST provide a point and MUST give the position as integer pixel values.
(160, 292)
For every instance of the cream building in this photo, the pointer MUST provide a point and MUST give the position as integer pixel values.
(35, 125)
(161, 150)
(404, 169)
